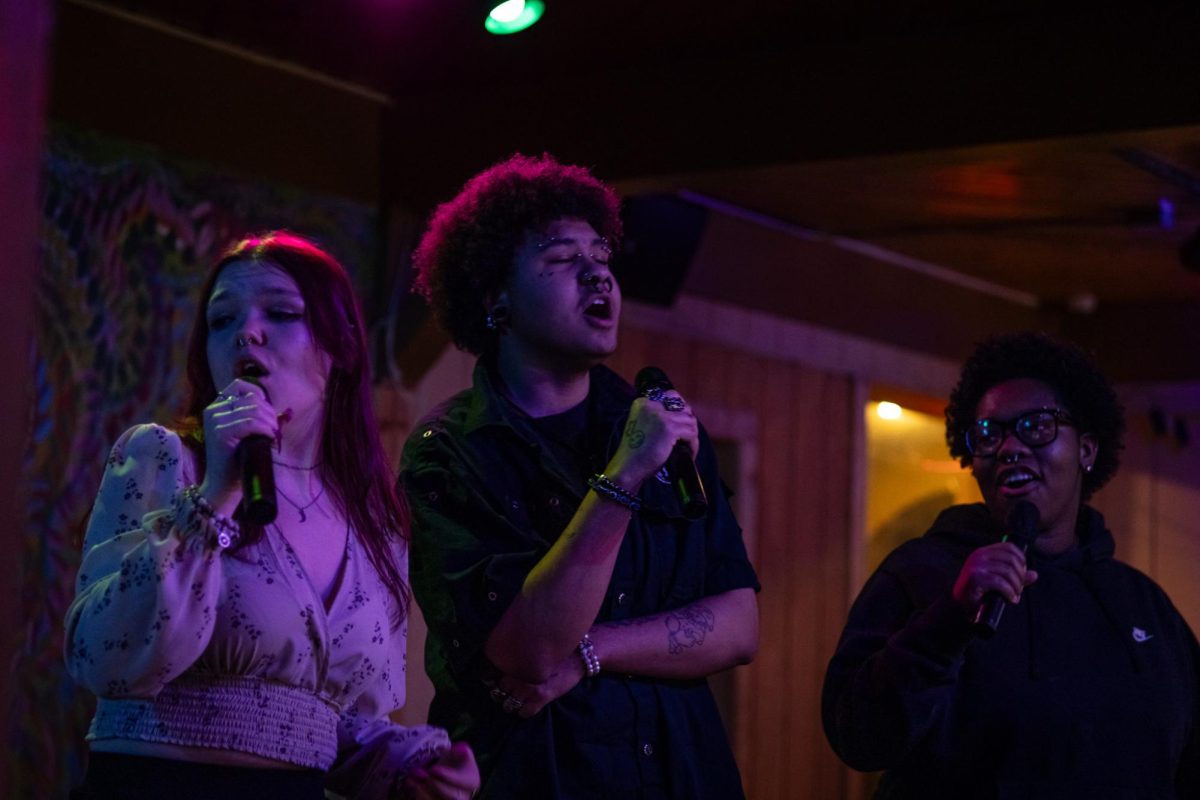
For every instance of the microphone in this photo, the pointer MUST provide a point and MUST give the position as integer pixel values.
(259, 505)
(1023, 528)
(681, 469)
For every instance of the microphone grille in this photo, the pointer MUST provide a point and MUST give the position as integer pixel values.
(651, 378)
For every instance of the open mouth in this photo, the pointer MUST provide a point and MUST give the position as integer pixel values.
(249, 368)
(599, 308)
(1016, 479)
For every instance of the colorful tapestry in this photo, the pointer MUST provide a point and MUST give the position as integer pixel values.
(128, 234)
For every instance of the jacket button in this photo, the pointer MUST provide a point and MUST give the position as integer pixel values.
(515, 504)
(553, 501)
(621, 599)
(648, 749)
(492, 596)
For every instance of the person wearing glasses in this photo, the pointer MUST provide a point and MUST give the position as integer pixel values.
(1089, 686)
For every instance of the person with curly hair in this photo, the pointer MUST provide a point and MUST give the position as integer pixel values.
(574, 610)
(1088, 684)
(246, 657)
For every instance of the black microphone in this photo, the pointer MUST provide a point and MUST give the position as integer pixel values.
(681, 469)
(258, 475)
(1023, 529)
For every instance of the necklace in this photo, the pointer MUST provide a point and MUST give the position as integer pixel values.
(295, 466)
(301, 508)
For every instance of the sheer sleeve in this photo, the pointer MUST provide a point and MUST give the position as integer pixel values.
(375, 754)
(147, 589)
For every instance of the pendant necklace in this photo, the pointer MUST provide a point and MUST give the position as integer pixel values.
(301, 508)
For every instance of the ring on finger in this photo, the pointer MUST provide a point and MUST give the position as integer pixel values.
(674, 403)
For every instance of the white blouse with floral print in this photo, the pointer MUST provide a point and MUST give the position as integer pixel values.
(188, 644)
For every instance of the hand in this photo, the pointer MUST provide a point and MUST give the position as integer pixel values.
(453, 776)
(651, 431)
(996, 568)
(526, 699)
(241, 409)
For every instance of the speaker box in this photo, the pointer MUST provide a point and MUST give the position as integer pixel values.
(662, 233)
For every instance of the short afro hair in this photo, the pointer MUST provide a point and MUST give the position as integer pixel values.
(1067, 369)
(467, 252)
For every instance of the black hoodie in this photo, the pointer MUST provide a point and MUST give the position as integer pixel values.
(1089, 689)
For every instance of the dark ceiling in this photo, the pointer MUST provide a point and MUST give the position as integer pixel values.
(1051, 149)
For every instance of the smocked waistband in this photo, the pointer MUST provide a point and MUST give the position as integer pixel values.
(246, 714)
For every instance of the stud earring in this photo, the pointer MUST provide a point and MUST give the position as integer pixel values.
(496, 318)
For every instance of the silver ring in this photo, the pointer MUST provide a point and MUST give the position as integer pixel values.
(674, 403)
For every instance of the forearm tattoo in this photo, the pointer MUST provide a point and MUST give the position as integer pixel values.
(635, 437)
(686, 627)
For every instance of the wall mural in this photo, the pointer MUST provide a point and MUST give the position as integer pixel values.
(127, 236)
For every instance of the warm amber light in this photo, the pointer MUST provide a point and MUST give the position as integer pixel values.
(887, 410)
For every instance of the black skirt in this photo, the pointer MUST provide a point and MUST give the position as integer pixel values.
(113, 776)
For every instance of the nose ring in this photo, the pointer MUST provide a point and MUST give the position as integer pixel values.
(596, 283)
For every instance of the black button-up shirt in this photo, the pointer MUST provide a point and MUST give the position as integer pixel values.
(489, 497)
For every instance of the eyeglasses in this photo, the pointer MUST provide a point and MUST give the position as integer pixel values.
(1033, 429)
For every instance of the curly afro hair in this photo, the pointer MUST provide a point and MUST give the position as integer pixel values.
(468, 249)
(1068, 370)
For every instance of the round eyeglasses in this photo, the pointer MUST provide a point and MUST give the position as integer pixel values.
(1033, 429)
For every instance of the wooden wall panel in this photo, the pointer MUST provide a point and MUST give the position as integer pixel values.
(803, 512)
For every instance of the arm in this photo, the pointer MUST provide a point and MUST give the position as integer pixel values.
(377, 758)
(147, 589)
(561, 595)
(891, 681)
(692, 641)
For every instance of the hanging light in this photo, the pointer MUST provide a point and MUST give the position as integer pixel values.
(513, 16)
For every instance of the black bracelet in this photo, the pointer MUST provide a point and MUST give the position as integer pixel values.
(606, 488)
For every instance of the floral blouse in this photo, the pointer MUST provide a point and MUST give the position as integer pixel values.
(187, 643)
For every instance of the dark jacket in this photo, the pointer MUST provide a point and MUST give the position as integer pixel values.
(1089, 689)
(489, 498)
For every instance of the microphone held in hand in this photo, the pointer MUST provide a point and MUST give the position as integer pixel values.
(680, 467)
(258, 475)
(1022, 530)
(258, 480)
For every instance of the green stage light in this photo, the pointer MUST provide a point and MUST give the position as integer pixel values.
(512, 16)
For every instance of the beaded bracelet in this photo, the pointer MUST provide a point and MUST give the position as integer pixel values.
(228, 532)
(603, 486)
(587, 652)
